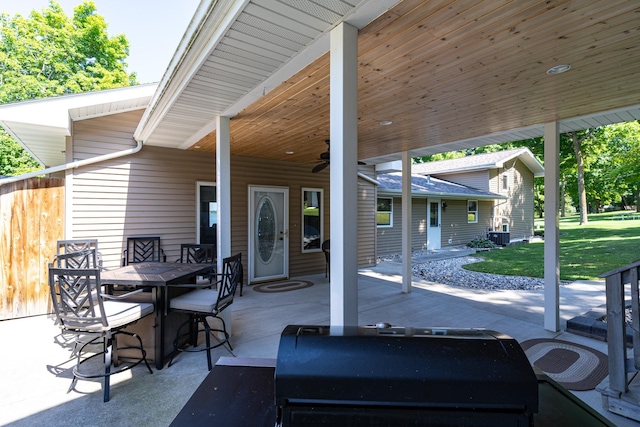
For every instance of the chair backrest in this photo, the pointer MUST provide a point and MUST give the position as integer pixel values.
(76, 300)
(87, 258)
(204, 253)
(231, 277)
(326, 246)
(143, 249)
(77, 246)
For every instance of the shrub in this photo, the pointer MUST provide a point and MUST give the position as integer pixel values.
(481, 242)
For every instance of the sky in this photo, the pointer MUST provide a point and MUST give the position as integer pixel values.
(154, 28)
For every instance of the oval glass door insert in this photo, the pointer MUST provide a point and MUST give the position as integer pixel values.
(266, 229)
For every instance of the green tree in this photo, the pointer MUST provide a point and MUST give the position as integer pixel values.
(48, 54)
(624, 171)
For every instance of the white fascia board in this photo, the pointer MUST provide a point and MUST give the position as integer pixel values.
(187, 60)
(452, 196)
(54, 112)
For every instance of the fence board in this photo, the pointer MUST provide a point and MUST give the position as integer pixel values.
(31, 221)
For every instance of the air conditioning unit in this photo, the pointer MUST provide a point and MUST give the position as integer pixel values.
(501, 238)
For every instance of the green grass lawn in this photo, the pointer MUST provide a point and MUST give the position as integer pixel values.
(585, 251)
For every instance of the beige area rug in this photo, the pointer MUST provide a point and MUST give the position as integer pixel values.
(574, 366)
(282, 286)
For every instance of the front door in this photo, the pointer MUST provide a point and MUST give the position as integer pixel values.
(268, 233)
(435, 231)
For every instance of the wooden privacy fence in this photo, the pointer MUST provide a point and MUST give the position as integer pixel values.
(31, 221)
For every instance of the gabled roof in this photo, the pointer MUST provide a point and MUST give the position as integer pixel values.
(42, 125)
(495, 160)
(391, 183)
(443, 83)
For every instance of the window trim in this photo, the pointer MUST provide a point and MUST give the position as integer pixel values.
(390, 225)
(320, 215)
(475, 212)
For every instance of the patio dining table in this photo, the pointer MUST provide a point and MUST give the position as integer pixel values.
(158, 276)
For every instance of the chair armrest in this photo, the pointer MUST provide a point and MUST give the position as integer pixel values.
(122, 296)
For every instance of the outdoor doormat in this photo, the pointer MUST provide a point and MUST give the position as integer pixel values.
(282, 286)
(574, 366)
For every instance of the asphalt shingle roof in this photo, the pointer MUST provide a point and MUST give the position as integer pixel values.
(428, 185)
(475, 162)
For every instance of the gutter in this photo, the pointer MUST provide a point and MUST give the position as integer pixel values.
(74, 165)
(368, 178)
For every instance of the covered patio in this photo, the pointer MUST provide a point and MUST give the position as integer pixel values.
(382, 82)
(36, 372)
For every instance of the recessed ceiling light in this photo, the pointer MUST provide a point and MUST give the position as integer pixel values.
(558, 69)
(197, 146)
(386, 122)
(288, 152)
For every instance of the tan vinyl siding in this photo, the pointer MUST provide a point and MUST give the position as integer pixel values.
(456, 227)
(476, 179)
(153, 193)
(366, 222)
(390, 238)
(519, 208)
(247, 171)
(150, 193)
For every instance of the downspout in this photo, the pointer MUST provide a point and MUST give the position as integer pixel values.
(75, 164)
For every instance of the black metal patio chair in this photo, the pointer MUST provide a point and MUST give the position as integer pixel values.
(143, 249)
(201, 304)
(96, 319)
(326, 249)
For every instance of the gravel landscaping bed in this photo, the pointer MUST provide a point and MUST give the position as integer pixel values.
(450, 272)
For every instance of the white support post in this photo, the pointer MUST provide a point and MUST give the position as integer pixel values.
(406, 222)
(223, 188)
(223, 198)
(68, 190)
(551, 227)
(343, 175)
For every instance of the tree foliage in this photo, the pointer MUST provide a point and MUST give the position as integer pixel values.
(49, 53)
(610, 167)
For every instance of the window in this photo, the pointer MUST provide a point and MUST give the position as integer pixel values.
(384, 214)
(505, 181)
(472, 211)
(207, 212)
(312, 219)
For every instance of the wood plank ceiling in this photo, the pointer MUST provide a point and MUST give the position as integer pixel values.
(446, 71)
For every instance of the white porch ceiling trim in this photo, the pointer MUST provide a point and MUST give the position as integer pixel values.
(236, 36)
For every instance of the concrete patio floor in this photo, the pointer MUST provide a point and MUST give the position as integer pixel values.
(35, 368)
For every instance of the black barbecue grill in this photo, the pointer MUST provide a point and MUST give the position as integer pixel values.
(401, 376)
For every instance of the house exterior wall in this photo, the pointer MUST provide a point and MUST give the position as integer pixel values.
(153, 193)
(453, 220)
(518, 210)
(475, 179)
(456, 227)
(150, 193)
(390, 238)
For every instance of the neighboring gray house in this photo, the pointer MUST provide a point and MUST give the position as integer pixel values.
(457, 200)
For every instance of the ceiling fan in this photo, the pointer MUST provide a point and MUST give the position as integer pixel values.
(325, 159)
